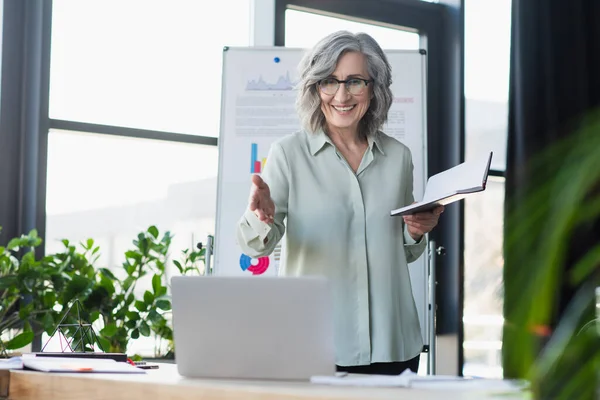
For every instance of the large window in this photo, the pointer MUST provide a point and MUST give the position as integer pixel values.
(296, 34)
(487, 54)
(143, 64)
(120, 72)
(111, 188)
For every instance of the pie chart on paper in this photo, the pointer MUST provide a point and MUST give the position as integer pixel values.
(257, 266)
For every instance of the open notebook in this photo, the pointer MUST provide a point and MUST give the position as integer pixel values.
(451, 185)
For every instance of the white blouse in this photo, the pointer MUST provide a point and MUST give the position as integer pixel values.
(338, 225)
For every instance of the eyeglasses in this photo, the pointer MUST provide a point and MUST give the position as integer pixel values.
(354, 86)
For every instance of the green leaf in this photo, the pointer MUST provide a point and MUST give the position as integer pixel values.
(132, 315)
(159, 265)
(140, 305)
(156, 283)
(90, 244)
(48, 322)
(24, 311)
(104, 344)
(49, 299)
(8, 281)
(128, 282)
(107, 284)
(13, 244)
(153, 231)
(109, 330)
(585, 266)
(178, 265)
(94, 315)
(154, 317)
(107, 273)
(165, 332)
(19, 341)
(148, 297)
(144, 329)
(130, 269)
(135, 334)
(163, 304)
(143, 244)
(133, 255)
(79, 286)
(162, 291)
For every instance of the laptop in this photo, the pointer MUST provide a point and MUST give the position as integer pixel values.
(276, 328)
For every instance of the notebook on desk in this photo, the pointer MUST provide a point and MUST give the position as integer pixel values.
(253, 327)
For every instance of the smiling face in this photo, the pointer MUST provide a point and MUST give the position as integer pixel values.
(342, 110)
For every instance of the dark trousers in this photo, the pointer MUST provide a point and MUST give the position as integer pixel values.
(387, 368)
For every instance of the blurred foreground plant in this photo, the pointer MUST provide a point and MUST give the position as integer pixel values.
(540, 231)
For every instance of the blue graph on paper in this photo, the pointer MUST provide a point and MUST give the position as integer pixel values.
(283, 83)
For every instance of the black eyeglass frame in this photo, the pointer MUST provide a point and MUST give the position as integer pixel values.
(366, 81)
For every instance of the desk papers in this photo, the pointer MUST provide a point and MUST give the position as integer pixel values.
(405, 379)
(87, 365)
(409, 379)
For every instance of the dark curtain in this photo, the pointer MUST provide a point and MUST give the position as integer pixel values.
(554, 83)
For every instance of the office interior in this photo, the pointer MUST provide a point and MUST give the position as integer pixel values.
(110, 115)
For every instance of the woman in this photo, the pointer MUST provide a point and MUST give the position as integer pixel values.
(335, 183)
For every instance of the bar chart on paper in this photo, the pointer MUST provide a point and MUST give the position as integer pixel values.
(257, 165)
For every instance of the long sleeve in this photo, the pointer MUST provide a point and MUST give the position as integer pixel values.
(412, 248)
(257, 238)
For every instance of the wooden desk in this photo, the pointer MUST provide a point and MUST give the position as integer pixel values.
(165, 383)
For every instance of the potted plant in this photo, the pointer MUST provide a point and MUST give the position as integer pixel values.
(37, 294)
(115, 298)
(30, 288)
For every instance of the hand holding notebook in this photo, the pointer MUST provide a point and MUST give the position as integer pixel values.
(451, 185)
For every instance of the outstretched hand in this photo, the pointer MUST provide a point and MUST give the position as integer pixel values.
(260, 200)
(421, 223)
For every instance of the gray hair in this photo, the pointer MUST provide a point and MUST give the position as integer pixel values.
(321, 61)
